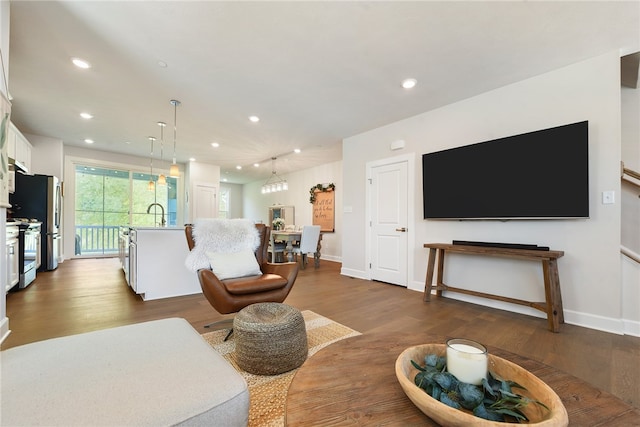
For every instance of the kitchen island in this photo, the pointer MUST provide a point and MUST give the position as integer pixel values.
(153, 261)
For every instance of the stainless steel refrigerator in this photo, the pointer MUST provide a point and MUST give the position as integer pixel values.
(38, 197)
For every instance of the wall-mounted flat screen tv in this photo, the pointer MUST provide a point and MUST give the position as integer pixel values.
(537, 175)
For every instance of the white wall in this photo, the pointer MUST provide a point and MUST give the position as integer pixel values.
(631, 158)
(630, 201)
(590, 270)
(256, 205)
(235, 198)
(104, 156)
(47, 155)
(4, 47)
(630, 99)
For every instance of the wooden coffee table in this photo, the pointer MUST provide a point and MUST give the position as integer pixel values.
(353, 382)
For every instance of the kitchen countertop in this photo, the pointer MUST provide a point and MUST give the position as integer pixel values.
(18, 222)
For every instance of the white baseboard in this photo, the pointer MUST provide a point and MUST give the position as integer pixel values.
(416, 286)
(4, 329)
(585, 320)
(592, 321)
(358, 274)
(631, 327)
(332, 258)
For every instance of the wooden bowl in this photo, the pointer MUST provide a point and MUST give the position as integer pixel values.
(448, 416)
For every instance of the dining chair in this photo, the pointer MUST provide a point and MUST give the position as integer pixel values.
(276, 250)
(308, 243)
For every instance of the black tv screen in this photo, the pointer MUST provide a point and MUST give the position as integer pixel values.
(535, 175)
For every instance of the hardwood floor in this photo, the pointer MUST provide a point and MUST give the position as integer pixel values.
(90, 294)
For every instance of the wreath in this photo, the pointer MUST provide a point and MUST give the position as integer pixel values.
(318, 188)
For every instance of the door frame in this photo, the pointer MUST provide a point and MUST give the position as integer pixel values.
(411, 196)
(194, 197)
(68, 190)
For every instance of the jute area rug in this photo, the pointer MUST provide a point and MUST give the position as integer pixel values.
(267, 394)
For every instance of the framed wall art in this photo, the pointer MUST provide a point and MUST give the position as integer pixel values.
(323, 201)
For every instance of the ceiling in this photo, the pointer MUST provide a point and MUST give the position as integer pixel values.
(314, 72)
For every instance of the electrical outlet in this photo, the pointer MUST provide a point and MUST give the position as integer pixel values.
(608, 197)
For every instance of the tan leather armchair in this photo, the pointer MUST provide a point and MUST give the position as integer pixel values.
(232, 295)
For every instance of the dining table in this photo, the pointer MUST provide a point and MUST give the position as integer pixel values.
(290, 238)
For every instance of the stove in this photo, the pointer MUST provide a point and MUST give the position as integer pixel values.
(29, 241)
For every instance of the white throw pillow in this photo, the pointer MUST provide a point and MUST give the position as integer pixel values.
(228, 265)
(220, 235)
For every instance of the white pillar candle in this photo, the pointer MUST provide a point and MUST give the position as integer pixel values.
(467, 360)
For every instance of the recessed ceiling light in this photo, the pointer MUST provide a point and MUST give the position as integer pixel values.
(80, 63)
(192, 159)
(86, 116)
(409, 83)
(162, 64)
(256, 165)
(239, 167)
(254, 119)
(297, 151)
(88, 141)
(224, 179)
(215, 145)
(127, 142)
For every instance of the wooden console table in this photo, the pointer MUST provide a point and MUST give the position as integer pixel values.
(552, 305)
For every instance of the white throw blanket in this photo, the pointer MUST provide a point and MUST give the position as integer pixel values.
(220, 235)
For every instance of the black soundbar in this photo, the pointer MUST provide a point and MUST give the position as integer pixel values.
(501, 245)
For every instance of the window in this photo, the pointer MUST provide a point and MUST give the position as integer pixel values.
(143, 200)
(102, 204)
(106, 199)
(223, 210)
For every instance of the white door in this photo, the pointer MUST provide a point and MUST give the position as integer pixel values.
(205, 201)
(389, 221)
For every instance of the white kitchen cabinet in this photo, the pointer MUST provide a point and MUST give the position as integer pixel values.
(11, 141)
(13, 273)
(123, 248)
(19, 148)
(157, 269)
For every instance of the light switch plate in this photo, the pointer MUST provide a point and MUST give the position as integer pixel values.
(608, 197)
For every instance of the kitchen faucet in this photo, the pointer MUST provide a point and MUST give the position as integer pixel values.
(163, 223)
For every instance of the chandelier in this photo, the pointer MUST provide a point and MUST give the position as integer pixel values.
(274, 183)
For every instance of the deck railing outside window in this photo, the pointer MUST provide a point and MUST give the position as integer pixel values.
(96, 239)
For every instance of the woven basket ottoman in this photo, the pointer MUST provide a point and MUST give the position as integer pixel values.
(271, 338)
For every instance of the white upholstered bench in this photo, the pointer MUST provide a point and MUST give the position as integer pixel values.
(157, 373)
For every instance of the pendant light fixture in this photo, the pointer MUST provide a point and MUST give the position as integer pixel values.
(174, 172)
(162, 179)
(151, 185)
(274, 183)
